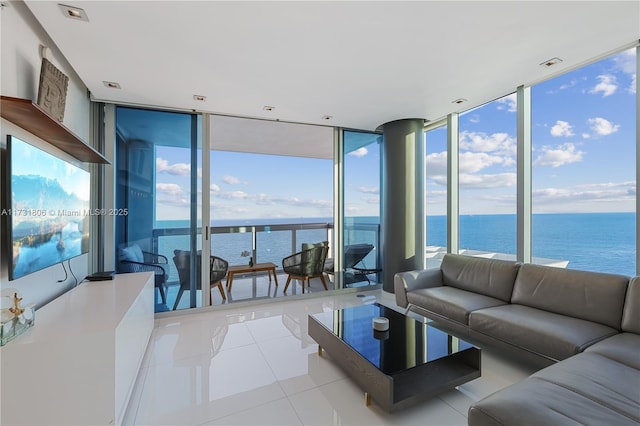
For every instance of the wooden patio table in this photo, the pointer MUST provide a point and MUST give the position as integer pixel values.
(269, 267)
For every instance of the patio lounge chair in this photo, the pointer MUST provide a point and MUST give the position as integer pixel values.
(354, 267)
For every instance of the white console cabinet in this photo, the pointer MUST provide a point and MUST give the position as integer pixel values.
(78, 364)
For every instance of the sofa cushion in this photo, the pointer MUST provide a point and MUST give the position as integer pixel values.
(451, 302)
(548, 334)
(586, 389)
(592, 296)
(631, 311)
(534, 402)
(493, 278)
(623, 348)
(133, 253)
(605, 381)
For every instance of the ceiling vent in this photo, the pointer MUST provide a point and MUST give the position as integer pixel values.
(551, 62)
(200, 98)
(72, 12)
(459, 101)
(268, 108)
(111, 84)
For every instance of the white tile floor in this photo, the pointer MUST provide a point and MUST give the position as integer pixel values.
(256, 365)
(253, 287)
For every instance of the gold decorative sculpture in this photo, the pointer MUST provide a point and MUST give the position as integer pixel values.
(14, 318)
(16, 309)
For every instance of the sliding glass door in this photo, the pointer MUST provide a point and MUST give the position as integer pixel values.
(157, 163)
(361, 212)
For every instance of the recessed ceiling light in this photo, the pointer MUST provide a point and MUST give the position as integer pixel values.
(200, 98)
(268, 108)
(327, 117)
(551, 62)
(74, 12)
(459, 101)
(111, 84)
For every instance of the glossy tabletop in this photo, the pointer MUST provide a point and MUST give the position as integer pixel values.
(407, 344)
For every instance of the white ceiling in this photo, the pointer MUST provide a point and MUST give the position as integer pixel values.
(364, 63)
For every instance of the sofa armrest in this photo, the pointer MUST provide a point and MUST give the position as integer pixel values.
(404, 282)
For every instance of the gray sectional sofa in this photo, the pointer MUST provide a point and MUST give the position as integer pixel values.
(583, 326)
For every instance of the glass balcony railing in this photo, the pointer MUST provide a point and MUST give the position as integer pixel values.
(265, 243)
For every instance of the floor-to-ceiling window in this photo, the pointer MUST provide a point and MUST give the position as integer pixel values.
(584, 151)
(271, 191)
(487, 179)
(157, 185)
(436, 194)
(361, 199)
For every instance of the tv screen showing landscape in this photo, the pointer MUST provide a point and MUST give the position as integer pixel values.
(49, 202)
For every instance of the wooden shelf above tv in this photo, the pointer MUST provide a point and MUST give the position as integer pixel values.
(31, 117)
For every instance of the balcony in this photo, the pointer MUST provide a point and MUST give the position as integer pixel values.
(266, 243)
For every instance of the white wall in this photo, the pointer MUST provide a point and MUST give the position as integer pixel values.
(20, 39)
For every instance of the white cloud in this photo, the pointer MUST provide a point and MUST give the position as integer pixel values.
(318, 203)
(509, 102)
(472, 162)
(562, 128)
(435, 194)
(602, 127)
(360, 152)
(232, 195)
(586, 136)
(568, 85)
(626, 62)
(436, 163)
(565, 86)
(214, 188)
(271, 200)
(480, 181)
(605, 192)
(171, 194)
(178, 169)
(372, 200)
(558, 156)
(498, 143)
(475, 119)
(369, 189)
(469, 162)
(238, 194)
(231, 180)
(607, 85)
(168, 188)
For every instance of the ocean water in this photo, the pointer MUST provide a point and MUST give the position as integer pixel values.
(272, 246)
(603, 242)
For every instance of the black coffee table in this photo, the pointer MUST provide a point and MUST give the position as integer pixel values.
(413, 361)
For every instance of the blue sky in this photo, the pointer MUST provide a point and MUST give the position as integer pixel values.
(583, 132)
(583, 135)
(247, 186)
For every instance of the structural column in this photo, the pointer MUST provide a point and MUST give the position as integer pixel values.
(402, 198)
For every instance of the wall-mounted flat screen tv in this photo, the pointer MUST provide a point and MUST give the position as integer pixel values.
(49, 202)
